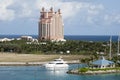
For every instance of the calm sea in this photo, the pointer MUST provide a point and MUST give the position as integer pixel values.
(41, 73)
(73, 37)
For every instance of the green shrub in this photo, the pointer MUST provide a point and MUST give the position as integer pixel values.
(82, 70)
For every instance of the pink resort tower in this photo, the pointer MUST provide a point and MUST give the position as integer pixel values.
(51, 25)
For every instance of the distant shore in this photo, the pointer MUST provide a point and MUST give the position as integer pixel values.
(14, 59)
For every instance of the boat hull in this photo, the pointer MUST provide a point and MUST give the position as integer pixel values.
(56, 66)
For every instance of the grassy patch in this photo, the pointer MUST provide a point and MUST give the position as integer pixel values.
(105, 69)
(83, 70)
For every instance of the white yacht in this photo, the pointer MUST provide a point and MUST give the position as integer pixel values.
(57, 63)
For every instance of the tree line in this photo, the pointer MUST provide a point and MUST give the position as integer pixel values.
(74, 47)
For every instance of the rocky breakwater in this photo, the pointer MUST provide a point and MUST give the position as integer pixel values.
(87, 71)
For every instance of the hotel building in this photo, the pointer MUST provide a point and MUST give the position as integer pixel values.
(51, 25)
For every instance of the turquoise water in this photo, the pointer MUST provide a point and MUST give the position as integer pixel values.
(40, 73)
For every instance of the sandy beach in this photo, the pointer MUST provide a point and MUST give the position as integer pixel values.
(33, 59)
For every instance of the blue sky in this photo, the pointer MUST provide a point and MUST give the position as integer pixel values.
(80, 17)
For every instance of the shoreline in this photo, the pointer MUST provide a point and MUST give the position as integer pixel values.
(22, 63)
(30, 63)
(93, 72)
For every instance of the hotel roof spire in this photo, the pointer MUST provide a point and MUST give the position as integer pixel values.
(59, 11)
(43, 9)
(51, 9)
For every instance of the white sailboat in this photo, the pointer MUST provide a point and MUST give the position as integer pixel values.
(110, 54)
(118, 53)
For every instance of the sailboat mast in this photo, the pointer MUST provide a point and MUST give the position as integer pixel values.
(118, 46)
(110, 47)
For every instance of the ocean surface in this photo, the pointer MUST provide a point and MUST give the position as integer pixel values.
(41, 73)
(74, 37)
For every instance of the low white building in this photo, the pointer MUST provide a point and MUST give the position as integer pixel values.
(6, 39)
(27, 38)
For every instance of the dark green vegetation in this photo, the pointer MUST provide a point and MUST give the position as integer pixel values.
(83, 70)
(75, 47)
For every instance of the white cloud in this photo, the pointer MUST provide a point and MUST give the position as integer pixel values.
(6, 15)
(72, 9)
(109, 19)
(92, 12)
(67, 7)
(30, 8)
(5, 3)
(5, 12)
(95, 9)
(117, 18)
(25, 11)
(85, 12)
